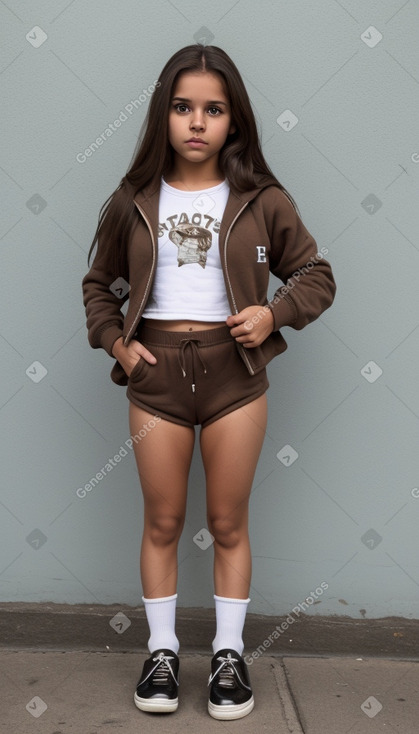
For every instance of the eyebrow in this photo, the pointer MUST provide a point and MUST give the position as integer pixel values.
(213, 101)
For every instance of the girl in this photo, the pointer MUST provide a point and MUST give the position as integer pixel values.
(190, 236)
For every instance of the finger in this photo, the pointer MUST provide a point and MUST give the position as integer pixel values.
(245, 340)
(243, 329)
(237, 332)
(138, 351)
(145, 354)
(233, 319)
(249, 345)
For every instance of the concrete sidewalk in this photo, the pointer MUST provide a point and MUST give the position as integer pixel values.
(76, 692)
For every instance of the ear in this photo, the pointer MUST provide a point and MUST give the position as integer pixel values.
(232, 129)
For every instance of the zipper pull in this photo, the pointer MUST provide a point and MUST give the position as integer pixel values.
(193, 387)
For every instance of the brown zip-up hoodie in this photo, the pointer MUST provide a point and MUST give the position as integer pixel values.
(260, 233)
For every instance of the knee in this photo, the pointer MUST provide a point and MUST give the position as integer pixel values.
(164, 530)
(226, 531)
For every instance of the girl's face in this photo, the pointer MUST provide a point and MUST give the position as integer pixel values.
(199, 117)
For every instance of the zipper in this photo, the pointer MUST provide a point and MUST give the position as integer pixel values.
(147, 288)
(243, 351)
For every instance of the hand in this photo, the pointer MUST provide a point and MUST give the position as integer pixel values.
(129, 356)
(251, 326)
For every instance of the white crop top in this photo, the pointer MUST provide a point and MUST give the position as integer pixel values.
(189, 281)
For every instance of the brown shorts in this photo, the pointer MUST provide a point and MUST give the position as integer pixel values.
(199, 376)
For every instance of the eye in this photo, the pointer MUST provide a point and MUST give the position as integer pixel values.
(181, 107)
(214, 111)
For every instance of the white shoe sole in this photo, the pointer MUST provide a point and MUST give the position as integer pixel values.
(156, 705)
(230, 712)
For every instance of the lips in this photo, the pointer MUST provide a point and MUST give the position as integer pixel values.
(197, 140)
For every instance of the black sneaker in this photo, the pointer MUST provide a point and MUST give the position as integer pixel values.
(158, 686)
(230, 692)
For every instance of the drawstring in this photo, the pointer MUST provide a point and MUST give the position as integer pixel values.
(181, 356)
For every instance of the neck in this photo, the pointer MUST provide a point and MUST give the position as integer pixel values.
(194, 176)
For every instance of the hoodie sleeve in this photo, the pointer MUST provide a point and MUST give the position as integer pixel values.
(103, 297)
(309, 286)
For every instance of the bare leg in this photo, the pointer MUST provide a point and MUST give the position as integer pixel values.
(230, 451)
(163, 459)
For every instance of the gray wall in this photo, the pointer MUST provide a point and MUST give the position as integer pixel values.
(344, 396)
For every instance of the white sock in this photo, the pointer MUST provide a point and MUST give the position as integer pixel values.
(161, 615)
(230, 615)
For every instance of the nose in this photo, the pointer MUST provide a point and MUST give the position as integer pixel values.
(197, 121)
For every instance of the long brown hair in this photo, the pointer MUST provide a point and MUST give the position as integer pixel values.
(240, 159)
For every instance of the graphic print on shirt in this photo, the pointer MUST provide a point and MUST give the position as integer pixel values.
(192, 243)
(191, 239)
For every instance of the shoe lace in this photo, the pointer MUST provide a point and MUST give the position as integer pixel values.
(225, 671)
(163, 670)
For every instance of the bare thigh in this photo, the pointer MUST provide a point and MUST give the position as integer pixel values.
(163, 460)
(230, 450)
